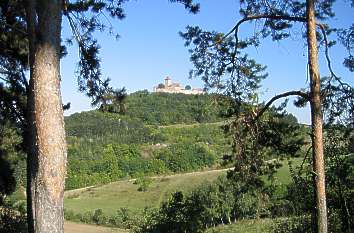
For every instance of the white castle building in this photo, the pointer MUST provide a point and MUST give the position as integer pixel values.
(170, 87)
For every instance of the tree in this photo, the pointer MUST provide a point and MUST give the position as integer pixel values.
(114, 101)
(188, 87)
(161, 86)
(218, 55)
(8, 142)
(32, 41)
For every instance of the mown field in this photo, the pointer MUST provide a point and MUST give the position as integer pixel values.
(125, 194)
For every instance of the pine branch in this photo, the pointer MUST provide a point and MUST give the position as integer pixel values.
(283, 95)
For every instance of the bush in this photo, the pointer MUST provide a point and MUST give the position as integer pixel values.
(86, 217)
(143, 183)
(69, 215)
(182, 157)
(301, 224)
(99, 218)
(12, 221)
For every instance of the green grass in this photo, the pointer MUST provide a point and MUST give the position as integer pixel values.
(249, 226)
(124, 194)
(283, 173)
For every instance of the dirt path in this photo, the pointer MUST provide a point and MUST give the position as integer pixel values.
(73, 227)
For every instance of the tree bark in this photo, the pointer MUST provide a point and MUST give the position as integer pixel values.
(48, 158)
(316, 121)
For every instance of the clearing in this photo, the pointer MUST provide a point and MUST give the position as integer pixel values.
(125, 194)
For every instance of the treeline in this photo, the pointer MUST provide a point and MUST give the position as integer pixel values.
(125, 160)
(96, 125)
(167, 108)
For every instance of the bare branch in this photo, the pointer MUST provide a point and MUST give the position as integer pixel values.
(15, 29)
(255, 17)
(329, 65)
(3, 79)
(304, 160)
(283, 95)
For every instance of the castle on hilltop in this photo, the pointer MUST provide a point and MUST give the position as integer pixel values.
(170, 87)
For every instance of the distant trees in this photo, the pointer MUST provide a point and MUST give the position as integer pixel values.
(161, 85)
(188, 87)
(115, 161)
(166, 108)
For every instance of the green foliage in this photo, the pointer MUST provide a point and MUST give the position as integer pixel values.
(11, 221)
(339, 186)
(122, 218)
(122, 160)
(207, 205)
(98, 217)
(242, 226)
(104, 147)
(300, 224)
(12, 160)
(143, 183)
(107, 127)
(13, 216)
(166, 109)
(340, 178)
(92, 160)
(183, 157)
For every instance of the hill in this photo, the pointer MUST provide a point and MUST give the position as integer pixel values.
(104, 147)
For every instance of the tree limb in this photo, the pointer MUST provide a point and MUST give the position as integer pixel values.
(255, 17)
(271, 101)
(15, 28)
(328, 60)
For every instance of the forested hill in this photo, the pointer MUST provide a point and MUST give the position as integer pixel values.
(144, 108)
(166, 109)
(133, 143)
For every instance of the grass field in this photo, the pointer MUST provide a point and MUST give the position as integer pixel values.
(125, 194)
(243, 226)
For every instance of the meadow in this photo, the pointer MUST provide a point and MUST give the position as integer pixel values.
(124, 194)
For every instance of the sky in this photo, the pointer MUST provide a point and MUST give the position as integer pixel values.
(150, 48)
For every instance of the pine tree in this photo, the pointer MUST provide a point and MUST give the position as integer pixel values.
(220, 60)
(31, 41)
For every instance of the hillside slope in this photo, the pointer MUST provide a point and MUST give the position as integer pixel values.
(104, 147)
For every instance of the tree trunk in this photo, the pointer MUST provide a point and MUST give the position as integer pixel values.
(316, 121)
(48, 160)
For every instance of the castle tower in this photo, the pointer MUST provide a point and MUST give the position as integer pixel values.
(168, 81)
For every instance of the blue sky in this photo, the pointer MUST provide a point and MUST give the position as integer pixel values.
(150, 49)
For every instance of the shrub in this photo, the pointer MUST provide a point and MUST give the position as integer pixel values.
(12, 221)
(98, 217)
(143, 183)
(300, 224)
(86, 217)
